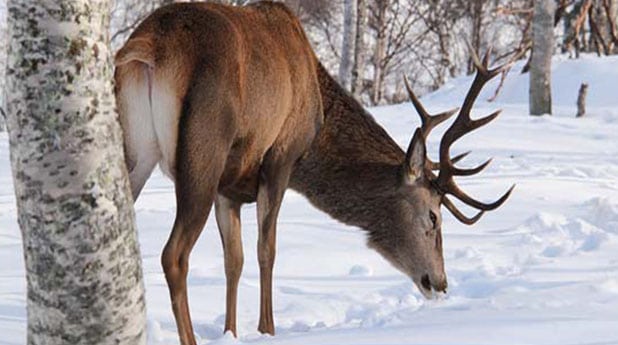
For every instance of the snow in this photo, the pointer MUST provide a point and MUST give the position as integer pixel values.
(543, 269)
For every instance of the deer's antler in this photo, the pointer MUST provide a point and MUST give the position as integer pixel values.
(462, 125)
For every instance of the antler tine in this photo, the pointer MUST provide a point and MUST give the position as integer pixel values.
(415, 101)
(483, 67)
(487, 56)
(434, 166)
(456, 159)
(428, 121)
(470, 172)
(461, 156)
(458, 214)
(465, 198)
(473, 55)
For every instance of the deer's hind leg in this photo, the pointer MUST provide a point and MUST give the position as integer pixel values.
(195, 195)
(228, 221)
(200, 161)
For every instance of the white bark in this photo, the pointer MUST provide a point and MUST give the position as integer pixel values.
(379, 52)
(75, 212)
(358, 70)
(3, 49)
(542, 52)
(347, 49)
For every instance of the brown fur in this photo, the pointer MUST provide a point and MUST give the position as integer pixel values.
(249, 106)
(356, 172)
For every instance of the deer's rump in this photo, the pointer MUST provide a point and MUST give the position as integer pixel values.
(239, 81)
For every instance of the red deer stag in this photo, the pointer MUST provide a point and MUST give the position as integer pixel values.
(228, 101)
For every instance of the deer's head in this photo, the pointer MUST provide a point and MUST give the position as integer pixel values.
(414, 240)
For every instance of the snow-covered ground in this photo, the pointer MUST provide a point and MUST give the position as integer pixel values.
(543, 269)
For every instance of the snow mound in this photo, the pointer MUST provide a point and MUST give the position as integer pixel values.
(602, 213)
(555, 235)
(361, 271)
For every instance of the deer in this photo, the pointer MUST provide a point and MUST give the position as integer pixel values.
(234, 106)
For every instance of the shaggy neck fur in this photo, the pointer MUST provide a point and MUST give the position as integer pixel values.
(353, 167)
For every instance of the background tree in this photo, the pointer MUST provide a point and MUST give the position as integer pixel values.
(322, 20)
(126, 16)
(424, 39)
(589, 26)
(392, 22)
(3, 49)
(379, 24)
(358, 70)
(347, 49)
(75, 210)
(542, 52)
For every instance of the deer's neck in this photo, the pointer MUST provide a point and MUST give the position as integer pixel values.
(351, 162)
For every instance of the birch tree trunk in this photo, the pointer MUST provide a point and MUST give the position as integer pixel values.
(542, 51)
(379, 52)
(347, 49)
(3, 49)
(476, 16)
(75, 212)
(358, 70)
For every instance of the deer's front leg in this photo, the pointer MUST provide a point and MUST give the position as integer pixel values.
(228, 220)
(273, 182)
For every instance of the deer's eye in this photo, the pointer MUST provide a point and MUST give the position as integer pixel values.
(434, 218)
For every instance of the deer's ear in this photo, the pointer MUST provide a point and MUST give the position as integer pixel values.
(415, 157)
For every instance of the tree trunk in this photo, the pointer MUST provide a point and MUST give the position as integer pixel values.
(3, 49)
(542, 51)
(358, 75)
(476, 13)
(611, 13)
(445, 45)
(598, 25)
(380, 51)
(347, 49)
(75, 211)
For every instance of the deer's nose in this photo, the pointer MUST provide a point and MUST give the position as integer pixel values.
(438, 285)
(441, 285)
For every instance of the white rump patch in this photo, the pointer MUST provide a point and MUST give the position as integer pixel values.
(165, 118)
